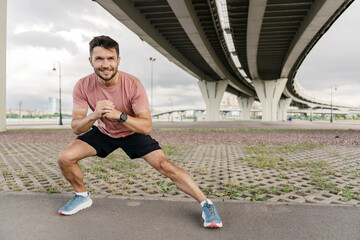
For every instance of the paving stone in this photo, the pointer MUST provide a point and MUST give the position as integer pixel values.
(330, 174)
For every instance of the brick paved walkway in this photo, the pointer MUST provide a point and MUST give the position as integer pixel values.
(300, 173)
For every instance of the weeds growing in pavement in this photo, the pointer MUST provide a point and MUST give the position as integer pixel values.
(232, 193)
(256, 193)
(124, 165)
(273, 157)
(283, 176)
(288, 188)
(52, 190)
(201, 170)
(208, 191)
(348, 195)
(284, 149)
(13, 186)
(164, 187)
(6, 172)
(270, 156)
(170, 150)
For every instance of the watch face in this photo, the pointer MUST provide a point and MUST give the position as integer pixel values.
(123, 117)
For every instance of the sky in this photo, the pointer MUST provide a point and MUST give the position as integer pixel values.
(41, 32)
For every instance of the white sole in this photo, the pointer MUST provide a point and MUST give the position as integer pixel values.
(78, 208)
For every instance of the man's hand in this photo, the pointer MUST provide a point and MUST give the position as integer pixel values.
(114, 114)
(103, 109)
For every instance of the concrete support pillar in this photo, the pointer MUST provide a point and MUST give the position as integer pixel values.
(3, 12)
(245, 104)
(198, 116)
(284, 105)
(269, 93)
(212, 93)
(311, 111)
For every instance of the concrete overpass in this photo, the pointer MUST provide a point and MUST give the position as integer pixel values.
(252, 49)
(199, 113)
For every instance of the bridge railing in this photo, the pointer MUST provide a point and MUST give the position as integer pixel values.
(311, 98)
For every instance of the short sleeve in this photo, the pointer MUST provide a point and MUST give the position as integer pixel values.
(79, 98)
(139, 100)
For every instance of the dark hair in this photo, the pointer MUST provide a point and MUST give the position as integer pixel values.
(105, 42)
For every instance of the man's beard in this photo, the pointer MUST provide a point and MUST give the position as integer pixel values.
(98, 73)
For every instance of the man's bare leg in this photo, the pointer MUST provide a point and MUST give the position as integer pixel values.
(68, 162)
(181, 179)
(185, 183)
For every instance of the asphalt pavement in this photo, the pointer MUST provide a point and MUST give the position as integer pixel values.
(34, 216)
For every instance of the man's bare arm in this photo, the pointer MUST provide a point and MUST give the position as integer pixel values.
(81, 122)
(141, 123)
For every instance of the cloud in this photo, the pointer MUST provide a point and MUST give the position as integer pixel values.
(42, 31)
(185, 95)
(344, 94)
(335, 59)
(43, 40)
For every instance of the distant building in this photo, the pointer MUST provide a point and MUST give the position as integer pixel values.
(53, 105)
(229, 101)
(24, 112)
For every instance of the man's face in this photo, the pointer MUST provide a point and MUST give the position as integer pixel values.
(105, 62)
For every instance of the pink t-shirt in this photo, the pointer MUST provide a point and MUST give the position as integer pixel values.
(128, 96)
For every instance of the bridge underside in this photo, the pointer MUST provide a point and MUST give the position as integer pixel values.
(251, 45)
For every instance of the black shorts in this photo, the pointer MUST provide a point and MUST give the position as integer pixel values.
(135, 145)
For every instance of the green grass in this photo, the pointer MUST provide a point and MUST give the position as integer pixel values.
(247, 129)
(286, 188)
(171, 150)
(125, 165)
(52, 190)
(232, 192)
(208, 191)
(348, 195)
(254, 192)
(13, 186)
(6, 172)
(284, 149)
(270, 157)
(318, 172)
(267, 161)
(164, 187)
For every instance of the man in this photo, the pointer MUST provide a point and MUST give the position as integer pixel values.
(121, 109)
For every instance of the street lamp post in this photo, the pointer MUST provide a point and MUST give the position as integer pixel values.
(54, 69)
(331, 93)
(171, 103)
(151, 101)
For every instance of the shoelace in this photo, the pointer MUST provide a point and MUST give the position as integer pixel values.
(73, 199)
(211, 209)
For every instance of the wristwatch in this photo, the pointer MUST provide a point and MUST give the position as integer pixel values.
(123, 118)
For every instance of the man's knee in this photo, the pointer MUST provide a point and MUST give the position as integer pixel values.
(76, 151)
(65, 158)
(168, 168)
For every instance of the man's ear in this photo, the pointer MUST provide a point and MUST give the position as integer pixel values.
(90, 61)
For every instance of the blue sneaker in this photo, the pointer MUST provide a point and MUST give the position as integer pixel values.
(211, 216)
(76, 204)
